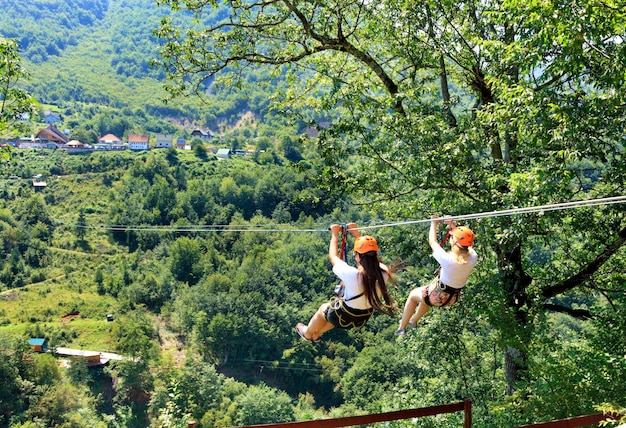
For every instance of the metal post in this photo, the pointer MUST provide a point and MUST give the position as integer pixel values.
(467, 416)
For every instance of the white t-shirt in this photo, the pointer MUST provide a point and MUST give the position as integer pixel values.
(349, 275)
(452, 273)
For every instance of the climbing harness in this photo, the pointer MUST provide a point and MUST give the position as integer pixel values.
(444, 294)
(343, 316)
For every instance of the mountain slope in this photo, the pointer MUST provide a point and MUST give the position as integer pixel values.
(94, 52)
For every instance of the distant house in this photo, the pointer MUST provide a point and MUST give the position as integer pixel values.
(164, 141)
(38, 344)
(138, 142)
(202, 134)
(51, 117)
(224, 153)
(39, 185)
(109, 139)
(313, 131)
(51, 134)
(181, 143)
(91, 358)
(75, 146)
(107, 142)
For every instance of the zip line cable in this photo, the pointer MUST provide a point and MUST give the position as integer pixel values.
(513, 211)
(285, 228)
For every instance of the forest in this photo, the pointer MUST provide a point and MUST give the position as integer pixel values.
(228, 301)
(205, 266)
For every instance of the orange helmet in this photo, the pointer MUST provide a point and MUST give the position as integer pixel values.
(464, 236)
(365, 244)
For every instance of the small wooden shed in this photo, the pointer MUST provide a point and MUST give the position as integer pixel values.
(38, 344)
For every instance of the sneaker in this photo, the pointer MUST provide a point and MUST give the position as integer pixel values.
(299, 327)
(399, 332)
(412, 324)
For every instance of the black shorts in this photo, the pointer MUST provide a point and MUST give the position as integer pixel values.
(343, 316)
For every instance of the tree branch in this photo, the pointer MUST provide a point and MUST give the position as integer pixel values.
(342, 44)
(588, 271)
(582, 314)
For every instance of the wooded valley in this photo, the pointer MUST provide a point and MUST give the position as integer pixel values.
(197, 269)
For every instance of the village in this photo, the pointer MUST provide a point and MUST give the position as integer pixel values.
(52, 138)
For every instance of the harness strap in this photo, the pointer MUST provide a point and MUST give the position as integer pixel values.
(344, 239)
(355, 297)
(445, 238)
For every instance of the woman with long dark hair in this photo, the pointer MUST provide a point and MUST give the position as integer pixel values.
(365, 288)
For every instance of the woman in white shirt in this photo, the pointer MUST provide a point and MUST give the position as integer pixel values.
(456, 266)
(365, 288)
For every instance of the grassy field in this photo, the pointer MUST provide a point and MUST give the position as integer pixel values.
(59, 307)
(60, 300)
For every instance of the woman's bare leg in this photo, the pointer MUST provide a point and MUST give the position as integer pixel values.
(413, 302)
(422, 308)
(318, 324)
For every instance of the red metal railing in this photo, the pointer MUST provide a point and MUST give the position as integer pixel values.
(575, 422)
(465, 406)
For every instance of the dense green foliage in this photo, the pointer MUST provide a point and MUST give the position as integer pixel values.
(37, 42)
(14, 101)
(199, 260)
(455, 107)
(119, 233)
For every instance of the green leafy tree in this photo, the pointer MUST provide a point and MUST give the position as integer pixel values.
(290, 148)
(454, 108)
(66, 405)
(134, 338)
(14, 101)
(80, 229)
(263, 405)
(188, 392)
(12, 393)
(185, 258)
(86, 136)
(45, 370)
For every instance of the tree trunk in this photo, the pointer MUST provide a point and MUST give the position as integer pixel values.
(514, 365)
(515, 282)
(445, 92)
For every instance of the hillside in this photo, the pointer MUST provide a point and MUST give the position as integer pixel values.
(198, 268)
(88, 59)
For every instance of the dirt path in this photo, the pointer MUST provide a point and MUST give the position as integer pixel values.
(170, 343)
